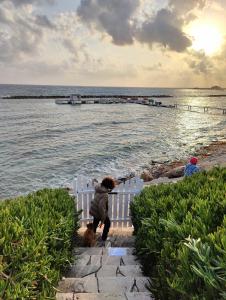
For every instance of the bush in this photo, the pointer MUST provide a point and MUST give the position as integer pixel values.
(35, 243)
(181, 236)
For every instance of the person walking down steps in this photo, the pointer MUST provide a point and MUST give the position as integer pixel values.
(99, 206)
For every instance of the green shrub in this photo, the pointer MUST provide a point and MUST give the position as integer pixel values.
(35, 243)
(181, 236)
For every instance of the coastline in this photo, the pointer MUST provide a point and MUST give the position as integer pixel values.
(208, 156)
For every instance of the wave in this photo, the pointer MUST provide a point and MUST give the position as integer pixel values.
(49, 144)
(112, 123)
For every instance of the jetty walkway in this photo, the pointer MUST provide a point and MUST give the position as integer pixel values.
(77, 99)
(204, 109)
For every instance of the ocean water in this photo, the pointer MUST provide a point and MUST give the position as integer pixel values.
(46, 145)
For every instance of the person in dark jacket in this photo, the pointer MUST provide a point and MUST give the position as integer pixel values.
(99, 206)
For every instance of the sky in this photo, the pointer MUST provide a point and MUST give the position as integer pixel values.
(128, 43)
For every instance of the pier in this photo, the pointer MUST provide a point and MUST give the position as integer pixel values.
(197, 108)
(76, 99)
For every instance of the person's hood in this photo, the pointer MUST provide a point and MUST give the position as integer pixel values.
(101, 189)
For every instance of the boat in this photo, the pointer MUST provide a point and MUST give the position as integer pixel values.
(153, 102)
(75, 99)
(62, 101)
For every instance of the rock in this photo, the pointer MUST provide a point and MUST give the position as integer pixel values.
(120, 180)
(159, 170)
(146, 176)
(123, 179)
(94, 182)
(175, 173)
(131, 175)
(154, 162)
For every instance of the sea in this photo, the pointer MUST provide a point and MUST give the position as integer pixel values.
(43, 144)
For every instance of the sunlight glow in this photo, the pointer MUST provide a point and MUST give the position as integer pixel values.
(206, 37)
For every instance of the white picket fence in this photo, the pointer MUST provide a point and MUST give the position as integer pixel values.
(118, 202)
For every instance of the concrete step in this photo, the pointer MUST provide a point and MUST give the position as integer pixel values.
(85, 260)
(104, 296)
(105, 271)
(104, 285)
(111, 251)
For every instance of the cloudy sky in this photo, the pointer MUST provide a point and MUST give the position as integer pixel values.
(154, 43)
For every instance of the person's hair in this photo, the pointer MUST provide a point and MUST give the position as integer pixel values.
(108, 183)
(89, 225)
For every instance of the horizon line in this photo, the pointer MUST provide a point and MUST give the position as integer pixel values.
(105, 86)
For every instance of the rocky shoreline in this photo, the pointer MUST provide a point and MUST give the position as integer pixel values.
(166, 172)
(208, 157)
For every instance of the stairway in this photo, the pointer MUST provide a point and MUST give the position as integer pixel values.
(100, 273)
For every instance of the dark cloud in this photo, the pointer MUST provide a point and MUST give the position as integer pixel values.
(11, 49)
(19, 43)
(111, 16)
(164, 29)
(212, 68)
(200, 67)
(25, 2)
(69, 45)
(3, 17)
(200, 63)
(43, 21)
(21, 33)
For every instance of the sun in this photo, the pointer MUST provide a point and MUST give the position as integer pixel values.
(206, 37)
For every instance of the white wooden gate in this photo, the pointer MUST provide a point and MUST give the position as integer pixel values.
(118, 201)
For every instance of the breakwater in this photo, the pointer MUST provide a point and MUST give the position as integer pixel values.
(78, 99)
(84, 96)
(107, 96)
